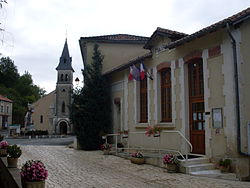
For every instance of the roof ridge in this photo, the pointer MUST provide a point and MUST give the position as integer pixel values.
(211, 28)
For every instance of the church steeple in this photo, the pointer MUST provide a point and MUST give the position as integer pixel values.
(65, 59)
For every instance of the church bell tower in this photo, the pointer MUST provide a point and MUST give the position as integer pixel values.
(64, 87)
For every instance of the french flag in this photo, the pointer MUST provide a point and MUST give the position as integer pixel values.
(142, 71)
(130, 76)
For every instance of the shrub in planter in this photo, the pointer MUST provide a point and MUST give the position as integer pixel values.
(3, 148)
(225, 165)
(171, 162)
(34, 172)
(137, 158)
(13, 153)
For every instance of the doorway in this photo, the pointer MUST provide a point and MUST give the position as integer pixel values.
(196, 105)
(63, 128)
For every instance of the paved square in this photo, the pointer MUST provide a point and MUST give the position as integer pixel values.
(69, 168)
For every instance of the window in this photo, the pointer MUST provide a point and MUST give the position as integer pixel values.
(41, 119)
(166, 106)
(1, 108)
(196, 79)
(7, 109)
(61, 77)
(143, 101)
(66, 77)
(64, 60)
(63, 107)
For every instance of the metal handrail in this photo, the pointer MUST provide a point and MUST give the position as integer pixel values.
(186, 140)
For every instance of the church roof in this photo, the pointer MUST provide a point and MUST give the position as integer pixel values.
(65, 59)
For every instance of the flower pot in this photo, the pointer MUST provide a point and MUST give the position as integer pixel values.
(138, 161)
(3, 152)
(33, 184)
(225, 168)
(12, 162)
(171, 168)
(156, 134)
(106, 152)
(125, 136)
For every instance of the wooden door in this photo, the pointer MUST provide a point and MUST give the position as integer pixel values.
(196, 106)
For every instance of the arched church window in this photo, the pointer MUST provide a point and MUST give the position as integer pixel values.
(63, 107)
(66, 77)
(41, 119)
(61, 77)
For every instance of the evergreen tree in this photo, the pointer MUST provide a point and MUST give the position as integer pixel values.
(90, 112)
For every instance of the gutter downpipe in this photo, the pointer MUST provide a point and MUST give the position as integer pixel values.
(237, 98)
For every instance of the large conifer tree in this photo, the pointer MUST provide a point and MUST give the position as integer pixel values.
(90, 112)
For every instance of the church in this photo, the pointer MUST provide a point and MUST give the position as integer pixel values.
(51, 112)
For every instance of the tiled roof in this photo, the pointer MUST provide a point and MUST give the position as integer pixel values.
(174, 35)
(117, 38)
(2, 98)
(131, 62)
(232, 20)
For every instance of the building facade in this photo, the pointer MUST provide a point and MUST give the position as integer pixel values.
(51, 112)
(197, 86)
(5, 112)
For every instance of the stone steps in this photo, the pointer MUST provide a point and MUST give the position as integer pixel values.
(215, 174)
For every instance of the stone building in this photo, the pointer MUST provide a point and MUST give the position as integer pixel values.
(197, 91)
(51, 112)
(5, 112)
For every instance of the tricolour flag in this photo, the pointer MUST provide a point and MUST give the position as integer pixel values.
(142, 71)
(130, 76)
(136, 73)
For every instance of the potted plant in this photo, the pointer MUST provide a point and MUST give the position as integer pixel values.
(13, 153)
(120, 147)
(3, 148)
(1, 137)
(137, 158)
(106, 148)
(225, 165)
(33, 174)
(125, 134)
(153, 130)
(171, 162)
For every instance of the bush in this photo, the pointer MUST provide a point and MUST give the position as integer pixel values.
(34, 170)
(37, 133)
(14, 151)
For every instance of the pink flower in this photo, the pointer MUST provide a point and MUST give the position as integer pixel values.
(4, 144)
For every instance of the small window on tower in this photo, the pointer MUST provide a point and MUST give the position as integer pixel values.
(41, 119)
(61, 77)
(63, 107)
(63, 90)
(66, 77)
(64, 60)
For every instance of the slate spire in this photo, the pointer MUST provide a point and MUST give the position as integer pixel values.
(65, 59)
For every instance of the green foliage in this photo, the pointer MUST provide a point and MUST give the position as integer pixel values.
(20, 89)
(90, 111)
(225, 162)
(14, 151)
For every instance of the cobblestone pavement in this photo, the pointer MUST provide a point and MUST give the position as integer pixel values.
(69, 168)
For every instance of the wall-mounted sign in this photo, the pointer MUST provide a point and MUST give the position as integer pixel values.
(217, 118)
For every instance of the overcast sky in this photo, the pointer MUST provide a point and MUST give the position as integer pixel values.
(35, 31)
